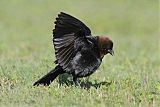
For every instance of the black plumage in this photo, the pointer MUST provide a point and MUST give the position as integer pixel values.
(77, 52)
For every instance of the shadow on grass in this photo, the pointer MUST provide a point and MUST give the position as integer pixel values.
(66, 79)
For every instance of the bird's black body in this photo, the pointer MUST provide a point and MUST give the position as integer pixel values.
(76, 51)
(86, 60)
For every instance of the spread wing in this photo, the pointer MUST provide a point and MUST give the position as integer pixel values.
(64, 36)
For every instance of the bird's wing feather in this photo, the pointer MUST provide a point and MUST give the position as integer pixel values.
(67, 24)
(67, 30)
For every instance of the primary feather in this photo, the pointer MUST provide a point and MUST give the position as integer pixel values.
(64, 35)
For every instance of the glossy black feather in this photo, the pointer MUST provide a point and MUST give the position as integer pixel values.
(76, 51)
(64, 35)
(70, 36)
(49, 77)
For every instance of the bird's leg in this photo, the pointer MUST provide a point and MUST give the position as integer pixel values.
(75, 80)
(87, 83)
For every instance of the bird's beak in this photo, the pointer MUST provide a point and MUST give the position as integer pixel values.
(111, 52)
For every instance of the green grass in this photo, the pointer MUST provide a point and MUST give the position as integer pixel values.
(26, 53)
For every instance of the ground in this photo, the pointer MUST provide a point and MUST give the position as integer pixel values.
(131, 78)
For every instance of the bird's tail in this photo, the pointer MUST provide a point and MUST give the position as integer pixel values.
(48, 78)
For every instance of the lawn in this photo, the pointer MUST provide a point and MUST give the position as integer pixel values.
(129, 79)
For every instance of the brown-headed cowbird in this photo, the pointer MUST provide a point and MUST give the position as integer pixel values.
(77, 52)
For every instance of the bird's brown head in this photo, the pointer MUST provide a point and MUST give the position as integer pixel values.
(105, 46)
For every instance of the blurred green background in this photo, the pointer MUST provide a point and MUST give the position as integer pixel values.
(26, 52)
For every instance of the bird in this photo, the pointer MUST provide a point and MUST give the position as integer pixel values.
(77, 52)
